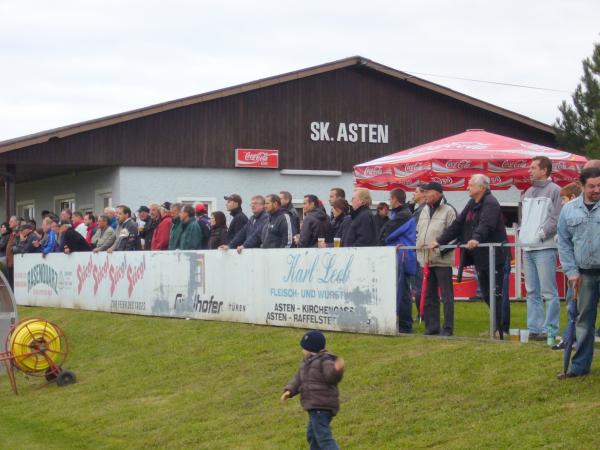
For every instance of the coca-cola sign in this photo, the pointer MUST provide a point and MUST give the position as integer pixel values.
(449, 182)
(368, 172)
(456, 165)
(264, 159)
(507, 165)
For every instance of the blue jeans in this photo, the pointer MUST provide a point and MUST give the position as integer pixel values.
(318, 433)
(540, 282)
(587, 305)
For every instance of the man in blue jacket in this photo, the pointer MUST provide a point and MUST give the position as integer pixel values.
(579, 251)
(250, 235)
(401, 230)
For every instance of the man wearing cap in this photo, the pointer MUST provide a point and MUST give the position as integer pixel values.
(239, 219)
(143, 220)
(71, 240)
(435, 217)
(251, 234)
(481, 222)
(160, 239)
(152, 220)
(204, 223)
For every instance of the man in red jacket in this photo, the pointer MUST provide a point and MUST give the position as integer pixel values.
(160, 239)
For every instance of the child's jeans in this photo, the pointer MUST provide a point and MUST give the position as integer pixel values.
(318, 433)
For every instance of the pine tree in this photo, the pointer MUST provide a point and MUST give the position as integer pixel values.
(578, 130)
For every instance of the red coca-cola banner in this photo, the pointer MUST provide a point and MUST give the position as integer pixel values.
(264, 159)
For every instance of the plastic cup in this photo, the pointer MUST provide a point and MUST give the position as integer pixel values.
(524, 334)
(514, 334)
(321, 243)
(337, 242)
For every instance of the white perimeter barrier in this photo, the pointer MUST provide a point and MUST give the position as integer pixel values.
(344, 289)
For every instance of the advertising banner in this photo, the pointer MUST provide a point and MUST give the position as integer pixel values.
(265, 159)
(344, 289)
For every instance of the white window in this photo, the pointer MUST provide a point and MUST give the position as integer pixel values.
(209, 202)
(65, 201)
(26, 209)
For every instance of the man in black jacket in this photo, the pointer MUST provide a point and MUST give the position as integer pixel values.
(481, 222)
(71, 240)
(288, 206)
(128, 238)
(315, 224)
(250, 236)
(362, 231)
(239, 219)
(278, 232)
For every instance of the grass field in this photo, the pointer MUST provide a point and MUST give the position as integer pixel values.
(163, 383)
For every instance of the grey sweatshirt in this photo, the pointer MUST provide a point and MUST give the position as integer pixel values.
(541, 209)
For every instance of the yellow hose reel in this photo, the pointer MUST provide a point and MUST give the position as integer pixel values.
(36, 344)
(38, 348)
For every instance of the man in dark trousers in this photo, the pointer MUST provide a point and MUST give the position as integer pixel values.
(401, 230)
(71, 240)
(239, 219)
(362, 228)
(278, 232)
(436, 217)
(481, 222)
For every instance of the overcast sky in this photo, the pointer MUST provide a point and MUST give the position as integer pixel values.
(63, 62)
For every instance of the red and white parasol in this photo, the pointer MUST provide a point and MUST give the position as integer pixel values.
(451, 162)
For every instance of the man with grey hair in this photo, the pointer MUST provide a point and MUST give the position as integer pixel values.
(481, 222)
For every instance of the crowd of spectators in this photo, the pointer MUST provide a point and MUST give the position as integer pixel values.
(427, 222)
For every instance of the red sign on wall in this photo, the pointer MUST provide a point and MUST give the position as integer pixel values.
(264, 159)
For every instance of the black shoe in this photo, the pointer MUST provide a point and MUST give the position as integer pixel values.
(405, 331)
(446, 333)
(431, 333)
(559, 346)
(538, 336)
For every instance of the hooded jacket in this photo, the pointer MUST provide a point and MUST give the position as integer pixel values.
(315, 225)
(401, 230)
(278, 232)
(316, 381)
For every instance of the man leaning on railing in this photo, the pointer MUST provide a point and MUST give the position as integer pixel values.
(481, 222)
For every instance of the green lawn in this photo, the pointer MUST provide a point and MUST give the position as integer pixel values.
(165, 383)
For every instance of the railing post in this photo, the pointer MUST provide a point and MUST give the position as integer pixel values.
(492, 288)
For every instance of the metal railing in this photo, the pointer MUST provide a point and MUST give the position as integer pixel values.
(491, 261)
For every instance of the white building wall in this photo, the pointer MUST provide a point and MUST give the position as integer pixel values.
(135, 186)
(86, 188)
(142, 185)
